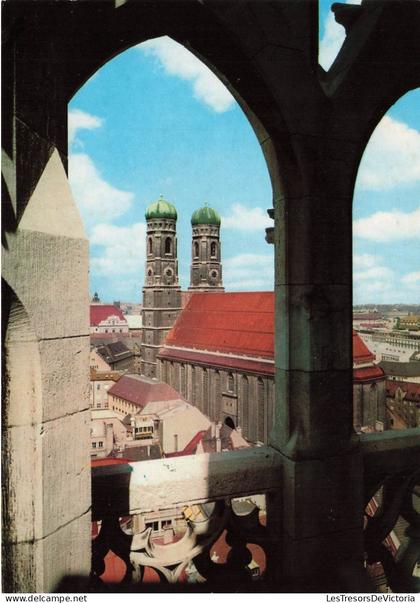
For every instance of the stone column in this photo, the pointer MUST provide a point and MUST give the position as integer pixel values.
(46, 412)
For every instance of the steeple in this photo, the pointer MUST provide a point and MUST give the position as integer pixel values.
(161, 291)
(206, 267)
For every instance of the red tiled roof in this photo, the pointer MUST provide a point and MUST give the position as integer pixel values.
(198, 357)
(98, 313)
(368, 373)
(141, 392)
(366, 315)
(412, 390)
(108, 461)
(190, 448)
(235, 323)
(361, 352)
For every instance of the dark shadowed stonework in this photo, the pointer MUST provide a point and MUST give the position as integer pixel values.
(313, 127)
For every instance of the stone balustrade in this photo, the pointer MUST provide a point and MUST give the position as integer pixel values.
(213, 483)
(206, 482)
(392, 466)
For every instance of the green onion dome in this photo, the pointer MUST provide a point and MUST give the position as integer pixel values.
(161, 209)
(205, 215)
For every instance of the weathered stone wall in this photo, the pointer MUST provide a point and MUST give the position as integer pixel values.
(208, 389)
(45, 265)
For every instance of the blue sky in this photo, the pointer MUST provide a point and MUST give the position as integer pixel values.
(155, 120)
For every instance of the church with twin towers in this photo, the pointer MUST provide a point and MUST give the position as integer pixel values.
(162, 298)
(215, 348)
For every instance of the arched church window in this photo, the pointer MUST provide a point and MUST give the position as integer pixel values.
(217, 394)
(213, 249)
(168, 245)
(183, 384)
(193, 384)
(230, 382)
(373, 394)
(261, 409)
(150, 245)
(205, 392)
(245, 405)
(196, 250)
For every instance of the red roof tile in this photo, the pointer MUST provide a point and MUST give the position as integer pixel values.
(141, 391)
(235, 323)
(108, 461)
(98, 313)
(368, 373)
(229, 324)
(361, 352)
(412, 390)
(190, 448)
(206, 359)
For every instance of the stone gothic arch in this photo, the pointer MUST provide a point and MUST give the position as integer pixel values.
(312, 126)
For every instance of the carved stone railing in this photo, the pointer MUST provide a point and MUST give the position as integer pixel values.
(210, 481)
(391, 462)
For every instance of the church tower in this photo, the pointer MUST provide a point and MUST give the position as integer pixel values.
(161, 291)
(206, 267)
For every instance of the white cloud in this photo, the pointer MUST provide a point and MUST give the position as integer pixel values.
(375, 283)
(123, 249)
(372, 282)
(96, 198)
(374, 273)
(249, 272)
(244, 218)
(178, 61)
(332, 40)
(392, 156)
(389, 226)
(364, 260)
(412, 279)
(79, 120)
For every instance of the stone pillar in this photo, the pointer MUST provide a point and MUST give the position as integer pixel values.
(322, 494)
(46, 416)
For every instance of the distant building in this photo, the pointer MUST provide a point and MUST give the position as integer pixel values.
(135, 322)
(369, 409)
(221, 438)
(133, 343)
(108, 433)
(115, 356)
(402, 371)
(206, 266)
(174, 424)
(220, 356)
(133, 392)
(106, 318)
(410, 322)
(161, 291)
(131, 340)
(403, 403)
(100, 382)
(390, 345)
